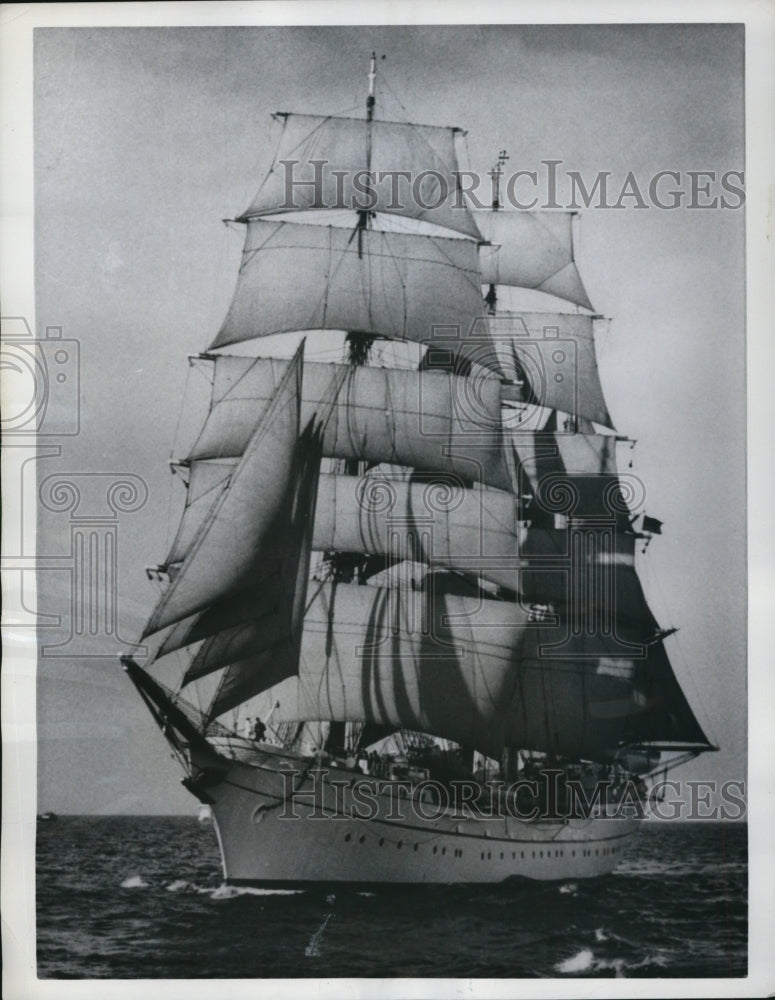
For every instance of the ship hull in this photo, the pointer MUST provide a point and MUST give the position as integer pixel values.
(282, 820)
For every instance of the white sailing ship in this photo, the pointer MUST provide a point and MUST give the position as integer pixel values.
(414, 565)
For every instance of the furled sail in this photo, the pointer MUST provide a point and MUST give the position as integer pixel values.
(325, 163)
(428, 420)
(553, 354)
(229, 551)
(531, 250)
(478, 672)
(402, 286)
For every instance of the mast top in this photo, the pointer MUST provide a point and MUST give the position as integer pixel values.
(371, 100)
(496, 173)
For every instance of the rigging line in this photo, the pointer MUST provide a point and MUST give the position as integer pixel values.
(421, 126)
(394, 260)
(259, 158)
(330, 277)
(301, 141)
(475, 284)
(311, 134)
(206, 521)
(384, 81)
(421, 131)
(181, 410)
(277, 226)
(264, 421)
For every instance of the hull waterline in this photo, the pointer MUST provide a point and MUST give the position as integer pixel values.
(280, 820)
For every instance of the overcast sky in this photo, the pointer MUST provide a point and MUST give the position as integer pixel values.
(147, 138)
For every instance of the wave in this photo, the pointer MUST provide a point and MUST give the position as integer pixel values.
(135, 882)
(313, 948)
(579, 962)
(585, 961)
(233, 891)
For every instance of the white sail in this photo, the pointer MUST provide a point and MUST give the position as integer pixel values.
(206, 482)
(531, 250)
(478, 673)
(433, 522)
(553, 354)
(574, 454)
(271, 638)
(229, 550)
(387, 656)
(428, 420)
(321, 162)
(402, 286)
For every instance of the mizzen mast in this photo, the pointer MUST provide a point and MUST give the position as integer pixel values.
(491, 298)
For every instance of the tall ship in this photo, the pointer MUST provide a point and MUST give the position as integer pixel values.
(400, 636)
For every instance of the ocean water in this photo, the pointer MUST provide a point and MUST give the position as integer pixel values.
(142, 897)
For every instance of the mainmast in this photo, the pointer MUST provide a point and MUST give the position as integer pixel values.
(358, 343)
(345, 566)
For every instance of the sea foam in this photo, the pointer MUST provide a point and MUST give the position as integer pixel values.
(579, 962)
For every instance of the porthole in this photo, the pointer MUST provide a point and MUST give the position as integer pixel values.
(347, 837)
(443, 850)
(435, 849)
(416, 846)
(381, 841)
(400, 844)
(361, 839)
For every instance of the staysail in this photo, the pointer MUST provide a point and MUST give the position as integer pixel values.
(236, 545)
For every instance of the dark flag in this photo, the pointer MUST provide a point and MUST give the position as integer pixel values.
(652, 525)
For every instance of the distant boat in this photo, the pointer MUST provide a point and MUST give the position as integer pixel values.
(441, 613)
(48, 817)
